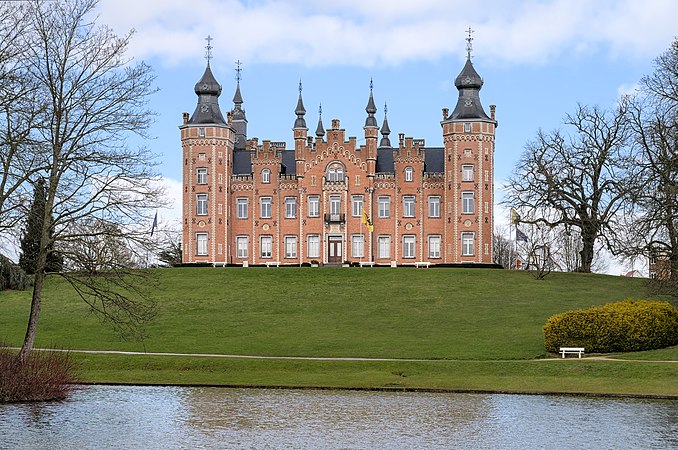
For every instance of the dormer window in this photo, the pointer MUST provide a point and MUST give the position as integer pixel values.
(335, 172)
(409, 174)
(265, 176)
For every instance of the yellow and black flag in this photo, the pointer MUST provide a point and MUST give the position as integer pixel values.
(367, 221)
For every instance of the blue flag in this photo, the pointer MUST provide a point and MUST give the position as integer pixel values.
(155, 223)
(520, 236)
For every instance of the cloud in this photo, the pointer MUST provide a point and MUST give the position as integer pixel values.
(368, 32)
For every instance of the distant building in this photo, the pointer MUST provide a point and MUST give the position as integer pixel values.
(331, 200)
(659, 265)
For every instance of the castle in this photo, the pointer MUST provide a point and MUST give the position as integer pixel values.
(328, 200)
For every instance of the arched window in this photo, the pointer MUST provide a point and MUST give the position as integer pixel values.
(335, 172)
(265, 176)
(409, 174)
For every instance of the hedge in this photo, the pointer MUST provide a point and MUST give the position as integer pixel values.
(626, 326)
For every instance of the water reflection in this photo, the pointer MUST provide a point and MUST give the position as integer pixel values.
(162, 417)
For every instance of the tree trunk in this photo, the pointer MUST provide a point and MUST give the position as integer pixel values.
(36, 305)
(588, 242)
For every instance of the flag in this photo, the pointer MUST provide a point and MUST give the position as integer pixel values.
(366, 220)
(155, 223)
(520, 236)
(515, 217)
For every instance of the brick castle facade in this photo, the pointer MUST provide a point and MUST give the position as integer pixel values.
(329, 200)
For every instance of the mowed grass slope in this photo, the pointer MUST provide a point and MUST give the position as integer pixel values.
(466, 314)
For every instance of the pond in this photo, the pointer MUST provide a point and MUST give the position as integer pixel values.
(194, 417)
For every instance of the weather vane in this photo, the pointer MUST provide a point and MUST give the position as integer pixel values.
(300, 88)
(238, 70)
(469, 46)
(385, 108)
(208, 53)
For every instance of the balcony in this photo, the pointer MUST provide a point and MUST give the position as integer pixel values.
(335, 218)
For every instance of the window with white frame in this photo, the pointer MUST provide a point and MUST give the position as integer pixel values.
(313, 206)
(384, 247)
(201, 175)
(409, 173)
(357, 246)
(266, 245)
(265, 176)
(335, 205)
(265, 203)
(335, 172)
(409, 242)
(290, 207)
(467, 127)
(434, 206)
(384, 206)
(467, 202)
(242, 207)
(290, 246)
(356, 205)
(201, 244)
(201, 204)
(201, 132)
(467, 172)
(313, 246)
(241, 245)
(434, 246)
(468, 244)
(408, 205)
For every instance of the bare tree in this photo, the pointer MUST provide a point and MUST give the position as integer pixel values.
(651, 225)
(92, 98)
(18, 115)
(575, 177)
(503, 250)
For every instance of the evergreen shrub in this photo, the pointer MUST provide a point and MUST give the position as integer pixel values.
(12, 276)
(626, 326)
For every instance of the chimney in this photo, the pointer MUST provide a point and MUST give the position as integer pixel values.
(185, 115)
(335, 124)
(492, 110)
(445, 113)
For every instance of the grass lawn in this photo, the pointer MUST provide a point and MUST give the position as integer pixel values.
(483, 325)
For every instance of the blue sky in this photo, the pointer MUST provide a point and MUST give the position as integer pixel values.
(538, 58)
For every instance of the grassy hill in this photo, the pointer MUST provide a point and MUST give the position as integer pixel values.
(467, 318)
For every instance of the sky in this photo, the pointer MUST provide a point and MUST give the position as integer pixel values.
(538, 59)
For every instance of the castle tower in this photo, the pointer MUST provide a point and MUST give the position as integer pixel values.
(371, 134)
(207, 142)
(300, 134)
(468, 135)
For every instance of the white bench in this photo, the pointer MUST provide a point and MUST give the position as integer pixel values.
(578, 350)
(272, 263)
(423, 264)
(366, 263)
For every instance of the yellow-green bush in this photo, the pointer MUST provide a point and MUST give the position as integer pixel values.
(627, 326)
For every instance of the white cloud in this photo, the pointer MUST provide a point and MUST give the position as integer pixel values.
(370, 32)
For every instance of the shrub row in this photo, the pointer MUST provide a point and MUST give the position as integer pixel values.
(627, 326)
(46, 376)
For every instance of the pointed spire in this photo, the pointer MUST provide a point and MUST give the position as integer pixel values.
(238, 113)
(237, 98)
(385, 131)
(371, 121)
(300, 111)
(320, 131)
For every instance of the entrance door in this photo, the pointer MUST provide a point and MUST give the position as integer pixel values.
(334, 250)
